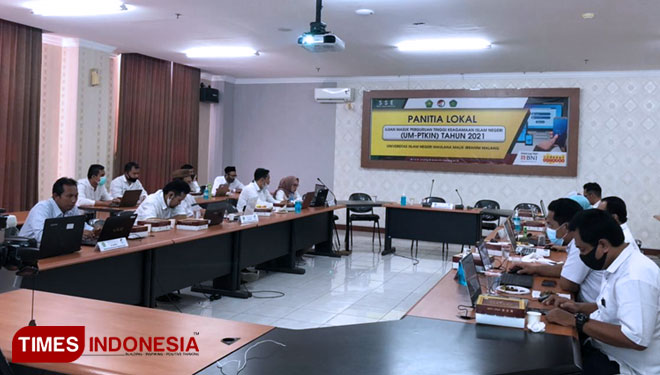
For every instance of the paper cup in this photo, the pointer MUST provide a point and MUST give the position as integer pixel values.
(533, 317)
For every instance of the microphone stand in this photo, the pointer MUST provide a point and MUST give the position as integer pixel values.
(459, 206)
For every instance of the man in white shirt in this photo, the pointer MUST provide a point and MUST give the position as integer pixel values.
(91, 190)
(194, 185)
(592, 192)
(165, 203)
(61, 204)
(574, 275)
(623, 326)
(189, 204)
(230, 177)
(128, 181)
(617, 208)
(257, 189)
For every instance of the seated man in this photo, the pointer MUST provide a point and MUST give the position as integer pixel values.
(194, 185)
(61, 204)
(592, 192)
(617, 208)
(623, 326)
(574, 275)
(128, 181)
(189, 204)
(91, 190)
(165, 203)
(235, 186)
(257, 188)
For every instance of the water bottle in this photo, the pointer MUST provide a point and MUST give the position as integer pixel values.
(298, 206)
(516, 221)
(403, 199)
(207, 191)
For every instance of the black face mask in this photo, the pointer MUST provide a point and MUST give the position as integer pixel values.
(590, 260)
(131, 180)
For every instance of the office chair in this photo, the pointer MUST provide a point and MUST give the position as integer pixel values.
(363, 213)
(529, 207)
(489, 222)
(445, 246)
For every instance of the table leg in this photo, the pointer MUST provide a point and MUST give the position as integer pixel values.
(346, 239)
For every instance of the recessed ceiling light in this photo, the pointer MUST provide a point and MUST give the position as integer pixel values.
(76, 8)
(419, 23)
(448, 44)
(283, 29)
(364, 12)
(588, 16)
(211, 52)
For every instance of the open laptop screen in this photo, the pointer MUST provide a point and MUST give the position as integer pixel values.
(471, 278)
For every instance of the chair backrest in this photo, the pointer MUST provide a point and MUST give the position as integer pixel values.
(487, 203)
(360, 197)
(528, 206)
(429, 200)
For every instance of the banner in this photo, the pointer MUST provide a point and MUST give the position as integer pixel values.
(473, 129)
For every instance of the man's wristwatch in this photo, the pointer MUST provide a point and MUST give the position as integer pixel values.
(580, 320)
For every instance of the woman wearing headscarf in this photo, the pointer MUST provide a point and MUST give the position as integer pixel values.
(288, 189)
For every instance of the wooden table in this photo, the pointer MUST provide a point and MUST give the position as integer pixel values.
(176, 259)
(415, 222)
(203, 202)
(110, 319)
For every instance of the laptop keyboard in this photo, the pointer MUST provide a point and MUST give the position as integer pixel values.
(526, 281)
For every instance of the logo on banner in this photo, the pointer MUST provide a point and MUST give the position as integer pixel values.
(59, 344)
(554, 159)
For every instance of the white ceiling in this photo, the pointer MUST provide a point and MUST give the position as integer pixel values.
(527, 35)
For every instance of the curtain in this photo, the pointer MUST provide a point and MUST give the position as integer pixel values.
(185, 115)
(158, 121)
(20, 91)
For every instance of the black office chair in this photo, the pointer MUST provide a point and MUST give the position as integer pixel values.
(528, 207)
(489, 222)
(363, 213)
(427, 203)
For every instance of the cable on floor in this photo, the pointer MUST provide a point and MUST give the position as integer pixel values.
(245, 360)
(415, 260)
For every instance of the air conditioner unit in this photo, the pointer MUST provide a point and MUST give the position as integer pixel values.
(334, 95)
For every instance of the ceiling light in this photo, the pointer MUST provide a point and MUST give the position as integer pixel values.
(76, 8)
(210, 52)
(364, 12)
(450, 44)
(588, 16)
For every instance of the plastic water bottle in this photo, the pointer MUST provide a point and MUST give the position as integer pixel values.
(207, 191)
(298, 206)
(461, 274)
(516, 221)
(403, 199)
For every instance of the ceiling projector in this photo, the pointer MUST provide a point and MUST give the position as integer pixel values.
(318, 39)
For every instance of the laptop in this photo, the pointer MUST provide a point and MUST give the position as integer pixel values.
(543, 211)
(320, 196)
(222, 190)
(61, 236)
(485, 258)
(129, 199)
(519, 249)
(215, 213)
(114, 227)
(471, 278)
(307, 199)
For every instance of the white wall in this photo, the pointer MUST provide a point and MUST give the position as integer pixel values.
(619, 145)
(280, 127)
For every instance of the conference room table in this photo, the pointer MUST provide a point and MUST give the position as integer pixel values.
(175, 259)
(105, 319)
(415, 222)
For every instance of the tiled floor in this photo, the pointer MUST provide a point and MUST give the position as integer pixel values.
(360, 288)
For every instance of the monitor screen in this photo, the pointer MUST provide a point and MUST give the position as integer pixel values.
(471, 278)
(483, 254)
(510, 233)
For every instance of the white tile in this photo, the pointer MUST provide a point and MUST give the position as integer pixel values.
(294, 324)
(341, 320)
(253, 318)
(311, 315)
